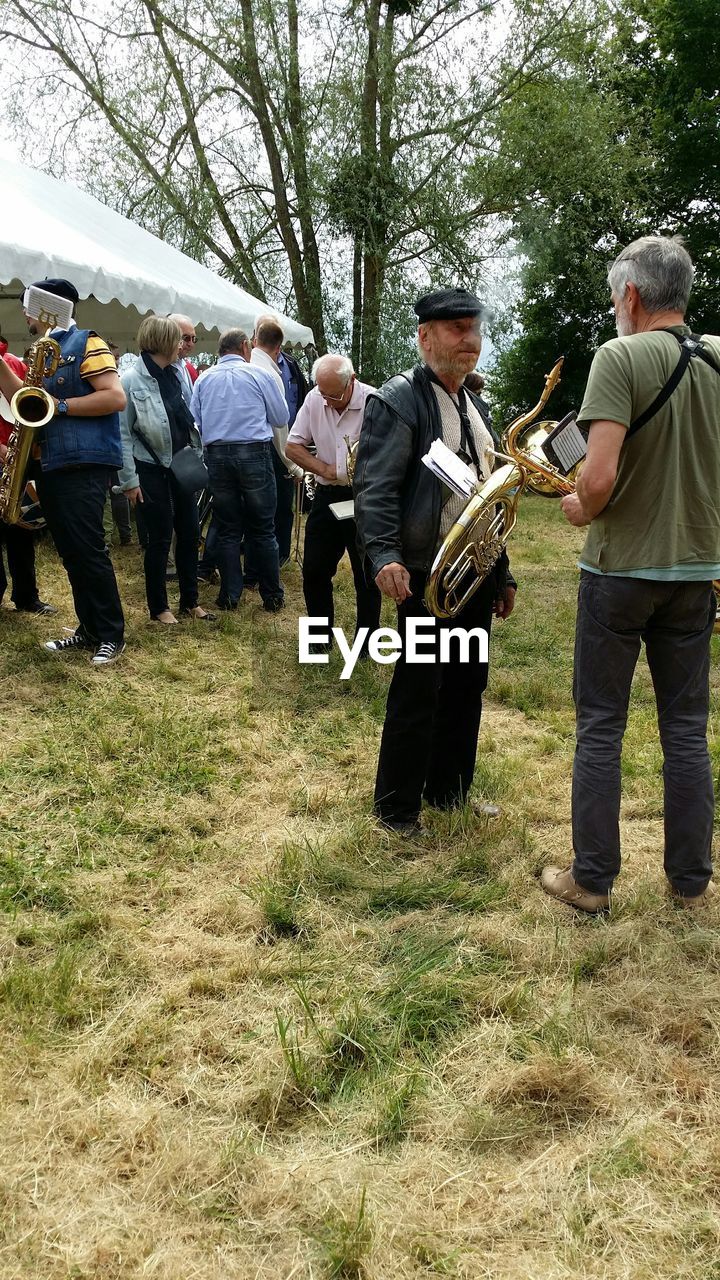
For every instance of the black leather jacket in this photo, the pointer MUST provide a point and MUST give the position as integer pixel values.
(398, 501)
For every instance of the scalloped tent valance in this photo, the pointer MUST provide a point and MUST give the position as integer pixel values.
(51, 228)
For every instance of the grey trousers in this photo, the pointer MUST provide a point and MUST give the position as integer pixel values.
(675, 619)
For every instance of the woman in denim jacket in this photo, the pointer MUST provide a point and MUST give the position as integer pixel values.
(156, 424)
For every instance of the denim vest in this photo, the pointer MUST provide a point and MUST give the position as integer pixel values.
(68, 441)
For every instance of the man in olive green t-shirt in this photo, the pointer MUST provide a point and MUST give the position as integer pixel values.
(649, 496)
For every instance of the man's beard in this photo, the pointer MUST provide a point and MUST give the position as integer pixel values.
(623, 323)
(456, 366)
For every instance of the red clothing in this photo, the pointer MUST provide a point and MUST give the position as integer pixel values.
(17, 366)
(191, 370)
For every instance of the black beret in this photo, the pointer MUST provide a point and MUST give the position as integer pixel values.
(61, 289)
(447, 304)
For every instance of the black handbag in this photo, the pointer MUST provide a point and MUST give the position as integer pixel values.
(187, 467)
(189, 470)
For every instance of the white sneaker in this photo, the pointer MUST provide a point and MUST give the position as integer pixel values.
(107, 653)
(69, 643)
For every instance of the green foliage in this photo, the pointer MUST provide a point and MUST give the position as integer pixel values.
(29, 881)
(278, 893)
(57, 996)
(394, 1111)
(346, 1240)
(619, 140)
(412, 893)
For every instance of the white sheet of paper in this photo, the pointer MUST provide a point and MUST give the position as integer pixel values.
(450, 469)
(569, 445)
(53, 312)
(343, 510)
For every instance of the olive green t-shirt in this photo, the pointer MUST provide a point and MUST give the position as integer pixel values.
(663, 519)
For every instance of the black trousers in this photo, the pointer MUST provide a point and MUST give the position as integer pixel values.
(73, 502)
(20, 548)
(326, 541)
(432, 720)
(166, 509)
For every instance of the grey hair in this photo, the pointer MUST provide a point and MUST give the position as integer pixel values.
(232, 342)
(424, 324)
(341, 365)
(661, 270)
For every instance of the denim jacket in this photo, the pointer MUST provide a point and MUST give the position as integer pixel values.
(145, 411)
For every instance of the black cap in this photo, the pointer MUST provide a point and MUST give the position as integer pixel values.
(447, 304)
(61, 289)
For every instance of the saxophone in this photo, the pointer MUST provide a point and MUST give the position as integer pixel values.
(32, 408)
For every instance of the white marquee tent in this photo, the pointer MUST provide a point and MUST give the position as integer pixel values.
(50, 228)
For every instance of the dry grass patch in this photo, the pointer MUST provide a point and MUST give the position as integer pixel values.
(248, 1034)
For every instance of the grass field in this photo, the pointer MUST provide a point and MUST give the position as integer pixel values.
(246, 1034)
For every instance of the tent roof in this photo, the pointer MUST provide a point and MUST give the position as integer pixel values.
(50, 228)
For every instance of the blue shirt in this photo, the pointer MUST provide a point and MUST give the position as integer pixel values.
(291, 387)
(700, 571)
(237, 403)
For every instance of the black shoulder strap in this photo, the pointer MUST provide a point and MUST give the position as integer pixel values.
(143, 440)
(467, 442)
(691, 346)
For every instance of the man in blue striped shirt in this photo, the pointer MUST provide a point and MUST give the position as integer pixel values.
(237, 408)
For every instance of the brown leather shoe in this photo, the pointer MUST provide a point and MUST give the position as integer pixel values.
(695, 901)
(561, 885)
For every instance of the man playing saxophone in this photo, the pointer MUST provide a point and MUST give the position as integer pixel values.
(429, 740)
(74, 458)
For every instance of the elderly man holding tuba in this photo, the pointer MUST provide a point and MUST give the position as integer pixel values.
(403, 513)
(648, 492)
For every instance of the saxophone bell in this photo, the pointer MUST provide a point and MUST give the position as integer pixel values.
(32, 408)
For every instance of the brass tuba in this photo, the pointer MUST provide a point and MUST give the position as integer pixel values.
(352, 448)
(524, 439)
(478, 537)
(32, 408)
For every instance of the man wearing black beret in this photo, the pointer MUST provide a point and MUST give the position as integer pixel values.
(73, 460)
(403, 514)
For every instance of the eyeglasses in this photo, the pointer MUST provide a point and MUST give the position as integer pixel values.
(189, 337)
(337, 399)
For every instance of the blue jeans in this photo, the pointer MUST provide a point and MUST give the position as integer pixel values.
(675, 619)
(242, 483)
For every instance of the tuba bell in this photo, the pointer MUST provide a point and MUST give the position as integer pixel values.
(477, 539)
(32, 408)
(524, 441)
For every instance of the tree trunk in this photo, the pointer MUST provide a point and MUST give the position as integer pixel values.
(357, 305)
